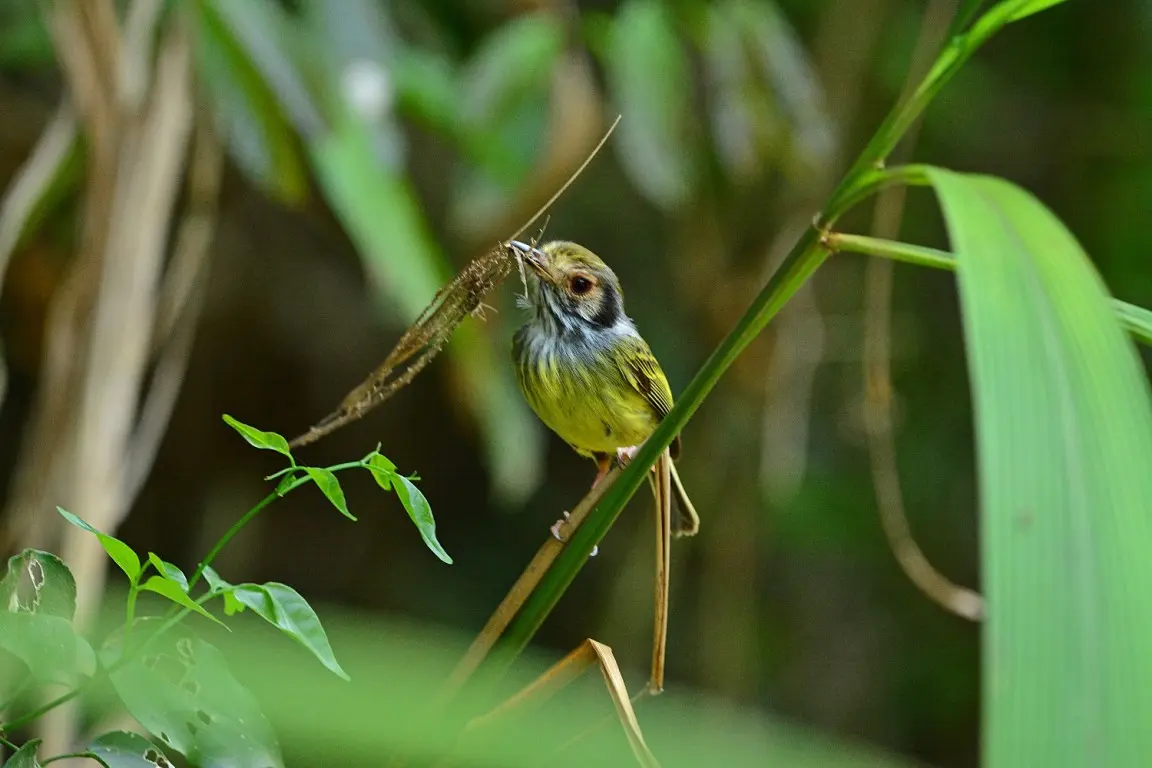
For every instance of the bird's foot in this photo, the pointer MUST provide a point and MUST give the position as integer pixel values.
(625, 455)
(555, 529)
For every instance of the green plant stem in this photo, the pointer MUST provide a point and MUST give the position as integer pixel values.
(891, 249)
(130, 609)
(17, 692)
(251, 514)
(1136, 320)
(4, 742)
(87, 755)
(865, 177)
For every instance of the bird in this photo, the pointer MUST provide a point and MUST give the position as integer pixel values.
(584, 368)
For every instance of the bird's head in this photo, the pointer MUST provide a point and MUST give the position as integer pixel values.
(572, 286)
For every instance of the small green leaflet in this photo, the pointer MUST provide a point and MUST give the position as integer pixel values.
(326, 481)
(283, 607)
(169, 571)
(269, 441)
(382, 469)
(25, 757)
(120, 552)
(421, 513)
(171, 590)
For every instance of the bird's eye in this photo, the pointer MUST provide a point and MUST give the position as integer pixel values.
(580, 285)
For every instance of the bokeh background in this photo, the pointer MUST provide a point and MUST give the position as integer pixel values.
(450, 122)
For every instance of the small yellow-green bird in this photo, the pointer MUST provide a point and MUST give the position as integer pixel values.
(585, 369)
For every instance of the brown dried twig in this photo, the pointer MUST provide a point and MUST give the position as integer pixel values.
(878, 375)
(460, 298)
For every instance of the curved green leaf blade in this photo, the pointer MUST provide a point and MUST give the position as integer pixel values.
(649, 76)
(172, 590)
(421, 513)
(38, 582)
(260, 137)
(48, 646)
(169, 571)
(182, 692)
(269, 441)
(120, 552)
(1029, 7)
(1136, 320)
(25, 757)
(284, 608)
(1064, 433)
(327, 482)
(124, 749)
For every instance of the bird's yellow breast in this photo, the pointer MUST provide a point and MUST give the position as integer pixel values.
(583, 398)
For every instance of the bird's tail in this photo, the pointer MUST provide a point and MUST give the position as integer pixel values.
(686, 522)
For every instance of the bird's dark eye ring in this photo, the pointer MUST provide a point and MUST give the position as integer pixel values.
(580, 285)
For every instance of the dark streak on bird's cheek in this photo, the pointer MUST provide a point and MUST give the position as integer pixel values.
(609, 310)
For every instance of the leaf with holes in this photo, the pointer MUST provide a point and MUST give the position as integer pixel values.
(120, 552)
(38, 582)
(283, 607)
(123, 749)
(269, 441)
(169, 571)
(421, 513)
(326, 481)
(25, 757)
(1064, 441)
(170, 589)
(48, 646)
(183, 693)
(382, 469)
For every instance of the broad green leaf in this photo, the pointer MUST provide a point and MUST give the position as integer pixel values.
(38, 582)
(170, 589)
(1029, 7)
(49, 174)
(124, 749)
(283, 607)
(327, 482)
(25, 757)
(421, 513)
(259, 438)
(650, 81)
(169, 571)
(260, 137)
(382, 469)
(505, 89)
(381, 214)
(47, 645)
(786, 71)
(120, 552)
(1064, 437)
(183, 693)
(266, 35)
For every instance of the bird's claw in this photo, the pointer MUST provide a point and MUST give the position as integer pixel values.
(555, 529)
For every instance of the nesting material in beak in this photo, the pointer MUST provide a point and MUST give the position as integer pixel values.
(534, 257)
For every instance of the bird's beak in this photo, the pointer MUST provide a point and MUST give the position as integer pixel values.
(534, 257)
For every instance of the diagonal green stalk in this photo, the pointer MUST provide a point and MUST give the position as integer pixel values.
(865, 177)
(1134, 319)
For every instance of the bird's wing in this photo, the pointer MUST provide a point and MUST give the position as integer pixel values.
(640, 368)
